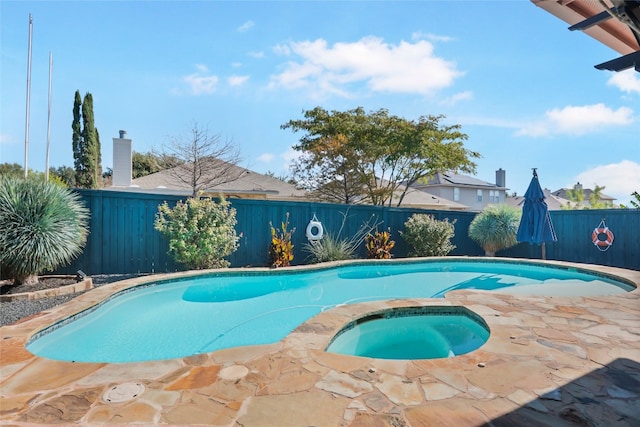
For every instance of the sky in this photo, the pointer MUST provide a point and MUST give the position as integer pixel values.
(521, 85)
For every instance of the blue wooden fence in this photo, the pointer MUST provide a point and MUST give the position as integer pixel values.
(122, 238)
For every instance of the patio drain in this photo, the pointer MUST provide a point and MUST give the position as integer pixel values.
(123, 392)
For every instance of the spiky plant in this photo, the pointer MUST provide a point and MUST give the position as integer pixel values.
(42, 226)
(495, 228)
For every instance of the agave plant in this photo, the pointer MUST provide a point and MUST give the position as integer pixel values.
(42, 226)
(495, 228)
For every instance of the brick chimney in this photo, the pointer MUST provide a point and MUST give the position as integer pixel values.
(501, 178)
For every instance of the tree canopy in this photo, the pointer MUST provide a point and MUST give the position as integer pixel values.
(86, 144)
(358, 157)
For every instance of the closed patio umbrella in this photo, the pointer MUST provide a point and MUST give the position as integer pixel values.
(535, 226)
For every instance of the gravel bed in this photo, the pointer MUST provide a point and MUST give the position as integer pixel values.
(13, 311)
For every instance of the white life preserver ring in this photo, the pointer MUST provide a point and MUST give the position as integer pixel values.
(602, 230)
(314, 229)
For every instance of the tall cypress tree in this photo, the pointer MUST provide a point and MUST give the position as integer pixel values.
(86, 144)
(78, 158)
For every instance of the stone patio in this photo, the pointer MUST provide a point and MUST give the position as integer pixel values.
(550, 361)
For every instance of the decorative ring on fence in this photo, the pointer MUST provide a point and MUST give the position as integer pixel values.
(602, 245)
(314, 229)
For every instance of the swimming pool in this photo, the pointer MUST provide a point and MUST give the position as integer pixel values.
(200, 314)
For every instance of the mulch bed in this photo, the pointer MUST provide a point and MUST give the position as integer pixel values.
(7, 287)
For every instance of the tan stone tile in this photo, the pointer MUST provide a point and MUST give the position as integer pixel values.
(554, 334)
(309, 408)
(124, 372)
(400, 390)
(67, 408)
(343, 384)
(199, 376)
(14, 404)
(438, 391)
(160, 397)
(342, 363)
(138, 412)
(452, 412)
(44, 374)
(376, 420)
(290, 382)
(197, 409)
(12, 351)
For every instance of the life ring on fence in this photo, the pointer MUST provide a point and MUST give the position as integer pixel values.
(314, 229)
(595, 237)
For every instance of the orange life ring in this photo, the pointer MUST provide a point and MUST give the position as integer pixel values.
(602, 243)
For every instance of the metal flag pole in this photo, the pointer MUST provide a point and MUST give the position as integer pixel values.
(46, 170)
(26, 130)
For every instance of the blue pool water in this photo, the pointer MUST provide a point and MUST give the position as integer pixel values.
(212, 312)
(412, 333)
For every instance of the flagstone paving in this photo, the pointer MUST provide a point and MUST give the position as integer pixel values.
(550, 361)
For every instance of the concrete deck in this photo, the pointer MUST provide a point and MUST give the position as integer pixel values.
(550, 361)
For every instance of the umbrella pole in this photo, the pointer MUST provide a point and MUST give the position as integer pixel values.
(544, 251)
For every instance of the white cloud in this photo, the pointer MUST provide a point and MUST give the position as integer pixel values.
(419, 35)
(627, 81)
(578, 120)
(266, 157)
(403, 68)
(237, 80)
(201, 83)
(453, 100)
(246, 26)
(619, 179)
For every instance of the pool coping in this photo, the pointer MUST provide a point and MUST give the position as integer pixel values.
(511, 339)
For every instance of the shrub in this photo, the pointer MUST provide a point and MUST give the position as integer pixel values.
(42, 226)
(495, 228)
(335, 248)
(201, 231)
(428, 236)
(379, 244)
(281, 247)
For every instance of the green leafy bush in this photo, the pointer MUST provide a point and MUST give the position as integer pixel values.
(281, 247)
(379, 244)
(201, 231)
(42, 226)
(428, 236)
(495, 228)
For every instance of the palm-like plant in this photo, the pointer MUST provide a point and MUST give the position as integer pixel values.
(495, 228)
(42, 226)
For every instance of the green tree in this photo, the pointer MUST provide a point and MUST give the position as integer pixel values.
(143, 164)
(42, 226)
(359, 157)
(86, 144)
(66, 174)
(495, 228)
(11, 169)
(201, 232)
(635, 203)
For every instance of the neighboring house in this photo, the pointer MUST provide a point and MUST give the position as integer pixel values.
(554, 203)
(466, 190)
(562, 193)
(415, 198)
(247, 185)
(243, 183)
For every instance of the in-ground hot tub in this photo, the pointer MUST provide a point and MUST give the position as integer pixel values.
(429, 332)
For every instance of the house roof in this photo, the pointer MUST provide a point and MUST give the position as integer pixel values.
(587, 193)
(246, 182)
(449, 179)
(615, 23)
(554, 203)
(415, 198)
